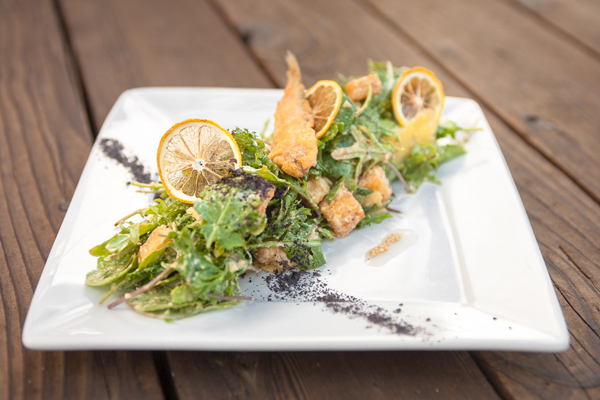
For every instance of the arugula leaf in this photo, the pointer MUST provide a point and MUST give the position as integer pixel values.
(253, 150)
(346, 114)
(205, 274)
(118, 243)
(229, 213)
(306, 255)
(375, 218)
(165, 213)
(137, 277)
(447, 128)
(108, 271)
(333, 191)
(421, 165)
(333, 168)
(363, 192)
(158, 303)
(365, 149)
(449, 151)
(388, 75)
(334, 129)
(297, 185)
(183, 293)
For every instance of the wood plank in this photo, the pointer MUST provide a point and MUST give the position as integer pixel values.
(44, 143)
(563, 216)
(126, 44)
(536, 81)
(575, 18)
(332, 375)
(328, 39)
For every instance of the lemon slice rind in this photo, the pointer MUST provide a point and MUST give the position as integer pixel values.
(333, 109)
(429, 94)
(194, 154)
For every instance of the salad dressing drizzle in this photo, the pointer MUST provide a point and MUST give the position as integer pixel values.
(401, 240)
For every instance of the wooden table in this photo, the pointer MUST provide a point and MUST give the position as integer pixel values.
(533, 65)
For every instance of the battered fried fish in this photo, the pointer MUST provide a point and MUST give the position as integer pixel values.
(294, 147)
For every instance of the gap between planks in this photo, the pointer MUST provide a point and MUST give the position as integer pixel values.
(243, 40)
(165, 375)
(73, 61)
(554, 28)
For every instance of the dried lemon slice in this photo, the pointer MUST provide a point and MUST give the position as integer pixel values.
(416, 90)
(193, 154)
(325, 99)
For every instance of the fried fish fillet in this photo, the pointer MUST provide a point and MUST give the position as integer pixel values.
(294, 147)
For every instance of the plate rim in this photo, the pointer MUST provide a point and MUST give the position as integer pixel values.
(33, 340)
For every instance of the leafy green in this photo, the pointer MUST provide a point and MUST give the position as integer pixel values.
(292, 227)
(229, 214)
(108, 271)
(253, 150)
(327, 166)
(297, 185)
(373, 218)
(306, 255)
(449, 128)
(449, 151)
(366, 148)
(333, 191)
(388, 75)
(346, 114)
(421, 165)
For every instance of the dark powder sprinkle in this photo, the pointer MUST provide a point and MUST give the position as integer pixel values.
(114, 149)
(244, 181)
(307, 286)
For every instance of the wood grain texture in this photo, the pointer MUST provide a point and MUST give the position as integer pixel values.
(44, 143)
(564, 218)
(328, 39)
(535, 80)
(338, 375)
(126, 44)
(577, 19)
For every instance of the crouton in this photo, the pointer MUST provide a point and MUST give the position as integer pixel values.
(156, 241)
(318, 188)
(358, 89)
(374, 179)
(273, 258)
(344, 212)
(266, 198)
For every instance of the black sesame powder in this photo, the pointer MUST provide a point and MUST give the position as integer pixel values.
(112, 148)
(307, 286)
(244, 181)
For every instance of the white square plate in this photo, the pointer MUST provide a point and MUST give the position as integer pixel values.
(468, 273)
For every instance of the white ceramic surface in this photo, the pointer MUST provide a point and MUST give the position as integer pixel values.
(468, 272)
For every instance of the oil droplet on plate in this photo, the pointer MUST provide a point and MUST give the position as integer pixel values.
(408, 238)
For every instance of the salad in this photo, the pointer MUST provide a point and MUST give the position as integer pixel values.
(233, 202)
